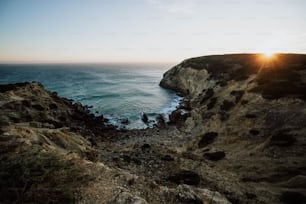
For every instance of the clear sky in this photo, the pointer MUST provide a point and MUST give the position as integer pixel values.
(147, 30)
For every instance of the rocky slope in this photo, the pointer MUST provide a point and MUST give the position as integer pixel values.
(247, 123)
(54, 151)
(239, 137)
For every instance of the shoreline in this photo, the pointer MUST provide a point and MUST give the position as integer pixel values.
(241, 141)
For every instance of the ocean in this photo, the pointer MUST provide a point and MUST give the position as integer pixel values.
(119, 92)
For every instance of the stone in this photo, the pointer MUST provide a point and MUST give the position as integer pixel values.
(212, 103)
(227, 105)
(160, 121)
(127, 198)
(185, 194)
(282, 139)
(208, 94)
(292, 197)
(237, 94)
(178, 116)
(254, 132)
(145, 147)
(124, 121)
(207, 139)
(185, 177)
(167, 158)
(214, 156)
(145, 118)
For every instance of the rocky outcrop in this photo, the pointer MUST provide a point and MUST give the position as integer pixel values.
(247, 119)
(238, 137)
(55, 151)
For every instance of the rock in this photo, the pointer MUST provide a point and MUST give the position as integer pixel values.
(208, 94)
(38, 107)
(35, 124)
(291, 197)
(237, 94)
(178, 116)
(282, 139)
(227, 105)
(145, 118)
(160, 121)
(213, 197)
(52, 106)
(185, 105)
(250, 115)
(212, 103)
(145, 147)
(185, 194)
(254, 132)
(124, 121)
(185, 177)
(214, 156)
(79, 107)
(298, 181)
(190, 195)
(127, 198)
(167, 158)
(207, 139)
(9, 87)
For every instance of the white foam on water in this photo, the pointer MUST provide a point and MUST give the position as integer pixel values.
(137, 123)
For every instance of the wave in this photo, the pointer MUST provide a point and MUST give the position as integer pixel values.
(116, 91)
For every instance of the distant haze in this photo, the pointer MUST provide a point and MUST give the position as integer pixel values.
(147, 30)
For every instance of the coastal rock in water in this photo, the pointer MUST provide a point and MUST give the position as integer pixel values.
(178, 116)
(160, 120)
(124, 121)
(145, 118)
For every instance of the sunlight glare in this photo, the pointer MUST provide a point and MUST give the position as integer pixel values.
(268, 54)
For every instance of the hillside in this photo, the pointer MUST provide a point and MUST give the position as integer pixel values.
(248, 120)
(238, 137)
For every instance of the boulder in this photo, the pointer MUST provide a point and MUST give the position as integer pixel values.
(184, 194)
(160, 121)
(282, 139)
(207, 139)
(185, 177)
(292, 197)
(127, 198)
(145, 118)
(214, 156)
(124, 121)
(178, 116)
(227, 105)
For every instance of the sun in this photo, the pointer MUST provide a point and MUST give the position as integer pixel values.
(269, 54)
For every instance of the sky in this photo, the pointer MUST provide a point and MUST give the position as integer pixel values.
(147, 30)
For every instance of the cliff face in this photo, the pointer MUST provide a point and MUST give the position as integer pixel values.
(242, 142)
(248, 117)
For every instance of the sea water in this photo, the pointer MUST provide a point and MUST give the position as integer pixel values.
(119, 92)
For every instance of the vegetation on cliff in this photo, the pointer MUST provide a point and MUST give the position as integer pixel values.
(238, 137)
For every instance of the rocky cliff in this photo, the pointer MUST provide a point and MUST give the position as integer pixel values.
(55, 151)
(241, 139)
(248, 121)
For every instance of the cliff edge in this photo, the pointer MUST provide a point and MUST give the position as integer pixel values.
(238, 137)
(247, 118)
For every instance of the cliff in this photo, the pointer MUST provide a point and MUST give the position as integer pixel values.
(238, 137)
(55, 151)
(248, 121)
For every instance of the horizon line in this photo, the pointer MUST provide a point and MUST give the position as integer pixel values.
(128, 62)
